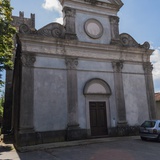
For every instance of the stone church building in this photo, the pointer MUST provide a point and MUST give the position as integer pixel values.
(81, 79)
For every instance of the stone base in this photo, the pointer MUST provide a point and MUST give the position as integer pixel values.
(28, 139)
(124, 131)
(72, 133)
(70, 36)
(115, 42)
(75, 133)
(122, 124)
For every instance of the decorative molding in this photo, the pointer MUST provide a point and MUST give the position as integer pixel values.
(117, 66)
(91, 1)
(148, 67)
(69, 23)
(52, 30)
(116, 3)
(23, 28)
(69, 11)
(97, 81)
(71, 63)
(28, 60)
(114, 20)
(128, 41)
(55, 30)
(145, 45)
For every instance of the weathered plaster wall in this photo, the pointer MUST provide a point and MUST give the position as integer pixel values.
(82, 36)
(51, 83)
(135, 94)
(50, 94)
(88, 70)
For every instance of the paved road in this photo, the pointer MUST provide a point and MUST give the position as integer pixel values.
(120, 149)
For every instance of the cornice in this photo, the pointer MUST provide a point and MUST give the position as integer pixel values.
(45, 45)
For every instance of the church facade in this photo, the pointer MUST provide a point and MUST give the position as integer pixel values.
(80, 80)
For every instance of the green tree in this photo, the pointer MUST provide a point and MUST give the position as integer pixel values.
(7, 32)
(1, 106)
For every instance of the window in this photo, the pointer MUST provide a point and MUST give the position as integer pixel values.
(148, 124)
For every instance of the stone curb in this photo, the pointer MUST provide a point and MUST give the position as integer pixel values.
(72, 143)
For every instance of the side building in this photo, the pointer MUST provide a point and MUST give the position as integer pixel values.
(82, 79)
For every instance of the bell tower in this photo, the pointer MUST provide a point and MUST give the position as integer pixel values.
(93, 21)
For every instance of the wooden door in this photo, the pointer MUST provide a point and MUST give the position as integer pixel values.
(98, 120)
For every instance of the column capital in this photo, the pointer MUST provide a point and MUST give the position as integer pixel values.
(117, 66)
(148, 67)
(71, 63)
(69, 12)
(28, 60)
(114, 20)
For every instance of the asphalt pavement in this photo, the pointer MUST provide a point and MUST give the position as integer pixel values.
(119, 148)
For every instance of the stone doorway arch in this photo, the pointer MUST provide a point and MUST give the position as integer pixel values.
(97, 93)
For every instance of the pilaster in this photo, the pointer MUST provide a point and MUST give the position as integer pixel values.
(147, 66)
(73, 125)
(27, 94)
(118, 81)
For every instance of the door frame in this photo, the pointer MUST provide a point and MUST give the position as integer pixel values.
(97, 106)
(97, 98)
(97, 90)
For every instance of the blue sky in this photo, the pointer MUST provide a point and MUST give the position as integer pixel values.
(139, 18)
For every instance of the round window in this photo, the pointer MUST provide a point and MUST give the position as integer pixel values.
(93, 28)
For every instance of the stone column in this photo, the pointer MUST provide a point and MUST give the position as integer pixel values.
(118, 81)
(147, 66)
(73, 125)
(114, 21)
(69, 22)
(27, 94)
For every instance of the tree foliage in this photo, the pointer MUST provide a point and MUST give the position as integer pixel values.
(7, 32)
(1, 106)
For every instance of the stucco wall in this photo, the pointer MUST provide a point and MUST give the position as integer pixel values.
(135, 94)
(50, 92)
(88, 70)
(81, 18)
(50, 95)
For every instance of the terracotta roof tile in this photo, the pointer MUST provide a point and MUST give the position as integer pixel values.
(157, 96)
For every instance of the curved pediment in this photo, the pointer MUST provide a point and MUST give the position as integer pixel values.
(52, 30)
(55, 30)
(128, 41)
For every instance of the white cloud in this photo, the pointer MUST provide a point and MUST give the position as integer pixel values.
(155, 59)
(59, 20)
(52, 5)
